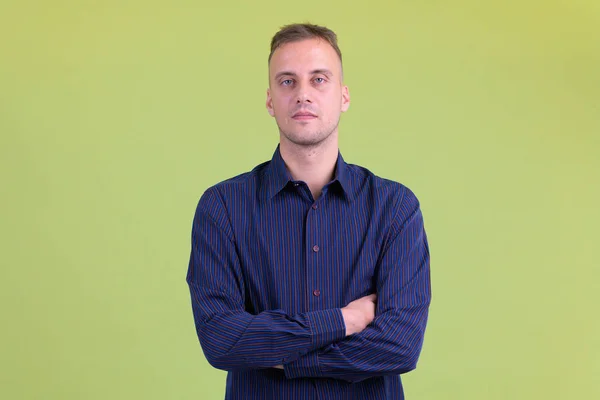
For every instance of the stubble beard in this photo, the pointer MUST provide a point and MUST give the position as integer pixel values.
(309, 140)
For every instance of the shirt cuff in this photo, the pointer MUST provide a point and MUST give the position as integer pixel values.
(326, 327)
(303, 367)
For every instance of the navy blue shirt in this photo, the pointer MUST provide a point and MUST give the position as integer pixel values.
(270, 269)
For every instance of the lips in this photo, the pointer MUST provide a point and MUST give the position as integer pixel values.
(304, 115)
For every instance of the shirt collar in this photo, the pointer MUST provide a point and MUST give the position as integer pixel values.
(277, 177)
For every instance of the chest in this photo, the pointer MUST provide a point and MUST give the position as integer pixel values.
(299, 256)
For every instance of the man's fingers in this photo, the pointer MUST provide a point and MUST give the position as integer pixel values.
(372, 297)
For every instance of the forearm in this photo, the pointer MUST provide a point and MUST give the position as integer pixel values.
(232, 338)
(390, 346)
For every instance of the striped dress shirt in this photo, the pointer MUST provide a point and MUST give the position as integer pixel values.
(270, 269)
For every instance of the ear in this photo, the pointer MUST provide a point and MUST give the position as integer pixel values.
(345, 98)
(269, 103)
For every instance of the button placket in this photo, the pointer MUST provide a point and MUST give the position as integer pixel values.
(315, 257)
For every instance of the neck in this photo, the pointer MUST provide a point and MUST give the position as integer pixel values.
(314, 165)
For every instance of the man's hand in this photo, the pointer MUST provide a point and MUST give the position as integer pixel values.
(359, 313)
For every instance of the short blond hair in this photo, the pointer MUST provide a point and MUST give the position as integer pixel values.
(297, 32)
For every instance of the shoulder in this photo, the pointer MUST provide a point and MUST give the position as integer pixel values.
(236, 189)
(384, 190)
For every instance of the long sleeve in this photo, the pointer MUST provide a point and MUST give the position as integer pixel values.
(391, 344)
(232, 338)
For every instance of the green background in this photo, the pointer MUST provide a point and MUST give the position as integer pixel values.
(115, 116)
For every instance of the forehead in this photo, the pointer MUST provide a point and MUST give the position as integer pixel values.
(304, 56)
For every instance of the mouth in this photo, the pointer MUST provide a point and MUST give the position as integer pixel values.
(303, 116)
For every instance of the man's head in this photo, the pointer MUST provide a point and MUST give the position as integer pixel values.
(306, 94)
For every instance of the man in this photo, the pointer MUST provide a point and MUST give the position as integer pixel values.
(309, 277)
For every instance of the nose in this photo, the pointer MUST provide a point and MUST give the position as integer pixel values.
(303, 95)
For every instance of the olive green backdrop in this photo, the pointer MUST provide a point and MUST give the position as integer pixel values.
(115, 116)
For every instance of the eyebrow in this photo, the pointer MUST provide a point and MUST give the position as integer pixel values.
(313, 72)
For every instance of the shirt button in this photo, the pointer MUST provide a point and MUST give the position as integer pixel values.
(315, 248)
(314, 207)
(316, 292)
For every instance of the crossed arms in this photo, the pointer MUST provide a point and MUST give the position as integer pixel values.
(353, 343)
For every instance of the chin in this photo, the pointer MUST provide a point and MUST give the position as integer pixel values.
(305, 136)
(306, 140)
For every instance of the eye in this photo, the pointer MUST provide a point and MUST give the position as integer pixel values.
(320, 80)
(286, 82)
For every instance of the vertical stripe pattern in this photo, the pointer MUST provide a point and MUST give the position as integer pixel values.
(270, 269)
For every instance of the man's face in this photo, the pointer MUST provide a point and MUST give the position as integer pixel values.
(306, 95)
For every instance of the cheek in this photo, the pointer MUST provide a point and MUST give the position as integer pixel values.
(333, 105)
(281, 104)
(281, 108)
